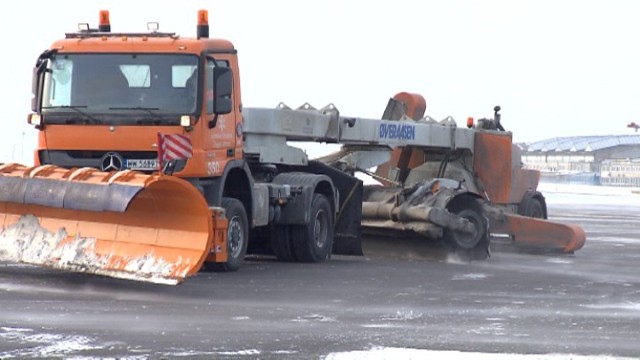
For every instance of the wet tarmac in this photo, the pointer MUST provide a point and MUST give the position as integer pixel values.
(587, 303)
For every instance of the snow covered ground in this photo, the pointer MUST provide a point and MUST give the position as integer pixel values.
(584, 306)
(556, 195)
(407, 354)
(563, 194)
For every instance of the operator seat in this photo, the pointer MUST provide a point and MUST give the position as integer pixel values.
(114, 86)
(190, 92)
(106, 87)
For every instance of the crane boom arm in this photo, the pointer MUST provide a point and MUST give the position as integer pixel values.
(267, 132)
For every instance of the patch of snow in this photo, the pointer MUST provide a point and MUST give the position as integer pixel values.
(495, 328)
(620, 306)
(453, 258)
(314, 317)
(190, 354)
(560, 260)
(384, 353)
(35, 344)
(471, 276)
(547, 187)
(615, 240)
(380, 326)
(403, 316)
(590, 194)
(247, 352)
(136, 357)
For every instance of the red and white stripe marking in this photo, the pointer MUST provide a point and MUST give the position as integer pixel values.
(175, 147)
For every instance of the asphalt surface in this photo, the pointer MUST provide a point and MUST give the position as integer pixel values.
(587, 303)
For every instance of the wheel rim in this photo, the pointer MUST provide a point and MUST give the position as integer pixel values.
(467, 240)
(320, 229)
(235, 237)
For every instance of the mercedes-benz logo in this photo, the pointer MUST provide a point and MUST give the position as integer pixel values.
(111, 162)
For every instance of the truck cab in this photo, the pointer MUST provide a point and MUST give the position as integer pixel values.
(100, 98)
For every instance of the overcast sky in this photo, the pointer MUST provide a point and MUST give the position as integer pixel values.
(557, 68)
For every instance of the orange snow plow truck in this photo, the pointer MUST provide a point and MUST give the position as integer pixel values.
(148, 168)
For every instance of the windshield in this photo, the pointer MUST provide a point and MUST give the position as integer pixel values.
(120, 88)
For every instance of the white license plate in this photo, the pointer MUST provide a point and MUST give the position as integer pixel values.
(141, 164)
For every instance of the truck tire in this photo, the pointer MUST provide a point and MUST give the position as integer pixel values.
(532, 207)
(313, 242)
(237, 236)
(470, 246)
(281, 242)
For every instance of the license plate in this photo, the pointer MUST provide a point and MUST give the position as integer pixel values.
(141, 164)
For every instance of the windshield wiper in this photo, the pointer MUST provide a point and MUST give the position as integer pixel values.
(76, 108)
(157, 118)
(148, 110)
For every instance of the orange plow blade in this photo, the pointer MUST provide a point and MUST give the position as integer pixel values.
(125, 225)
(539, 233)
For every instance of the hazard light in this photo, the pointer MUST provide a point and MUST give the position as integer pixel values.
(203, 24)
(469, 122)
(104, 24)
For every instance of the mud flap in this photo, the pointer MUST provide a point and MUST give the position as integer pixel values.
(125, 225)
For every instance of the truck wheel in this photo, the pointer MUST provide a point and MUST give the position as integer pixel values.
(470, 246)
(237, 236)
(281, 242)
(313, 242)
(532, 207)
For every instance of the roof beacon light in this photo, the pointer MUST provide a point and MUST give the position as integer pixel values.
(105, 24)
(203, 24)
(469, 122)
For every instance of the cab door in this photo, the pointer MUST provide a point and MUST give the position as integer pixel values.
(223, 131)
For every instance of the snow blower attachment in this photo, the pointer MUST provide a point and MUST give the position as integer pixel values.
(124, 225)
(459, 186)
(434, 209)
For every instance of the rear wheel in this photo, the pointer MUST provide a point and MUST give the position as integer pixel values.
(281, 242)
(469, 246)
(237, 236)
(532, 207)
(313, 242)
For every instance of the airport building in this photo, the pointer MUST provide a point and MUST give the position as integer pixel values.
(600, 160)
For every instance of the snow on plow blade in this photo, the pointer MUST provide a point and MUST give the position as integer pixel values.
(125, 225)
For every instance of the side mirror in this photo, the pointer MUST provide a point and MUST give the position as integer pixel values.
(222, 90)
(36, 81)
(34, 89)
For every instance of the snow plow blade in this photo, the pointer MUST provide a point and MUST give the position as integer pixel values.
(539, 234)
(125, 225)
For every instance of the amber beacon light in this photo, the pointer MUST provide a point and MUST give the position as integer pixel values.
(203, 24)
(104, 24)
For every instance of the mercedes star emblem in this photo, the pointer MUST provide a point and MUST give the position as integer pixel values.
(111, 162)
